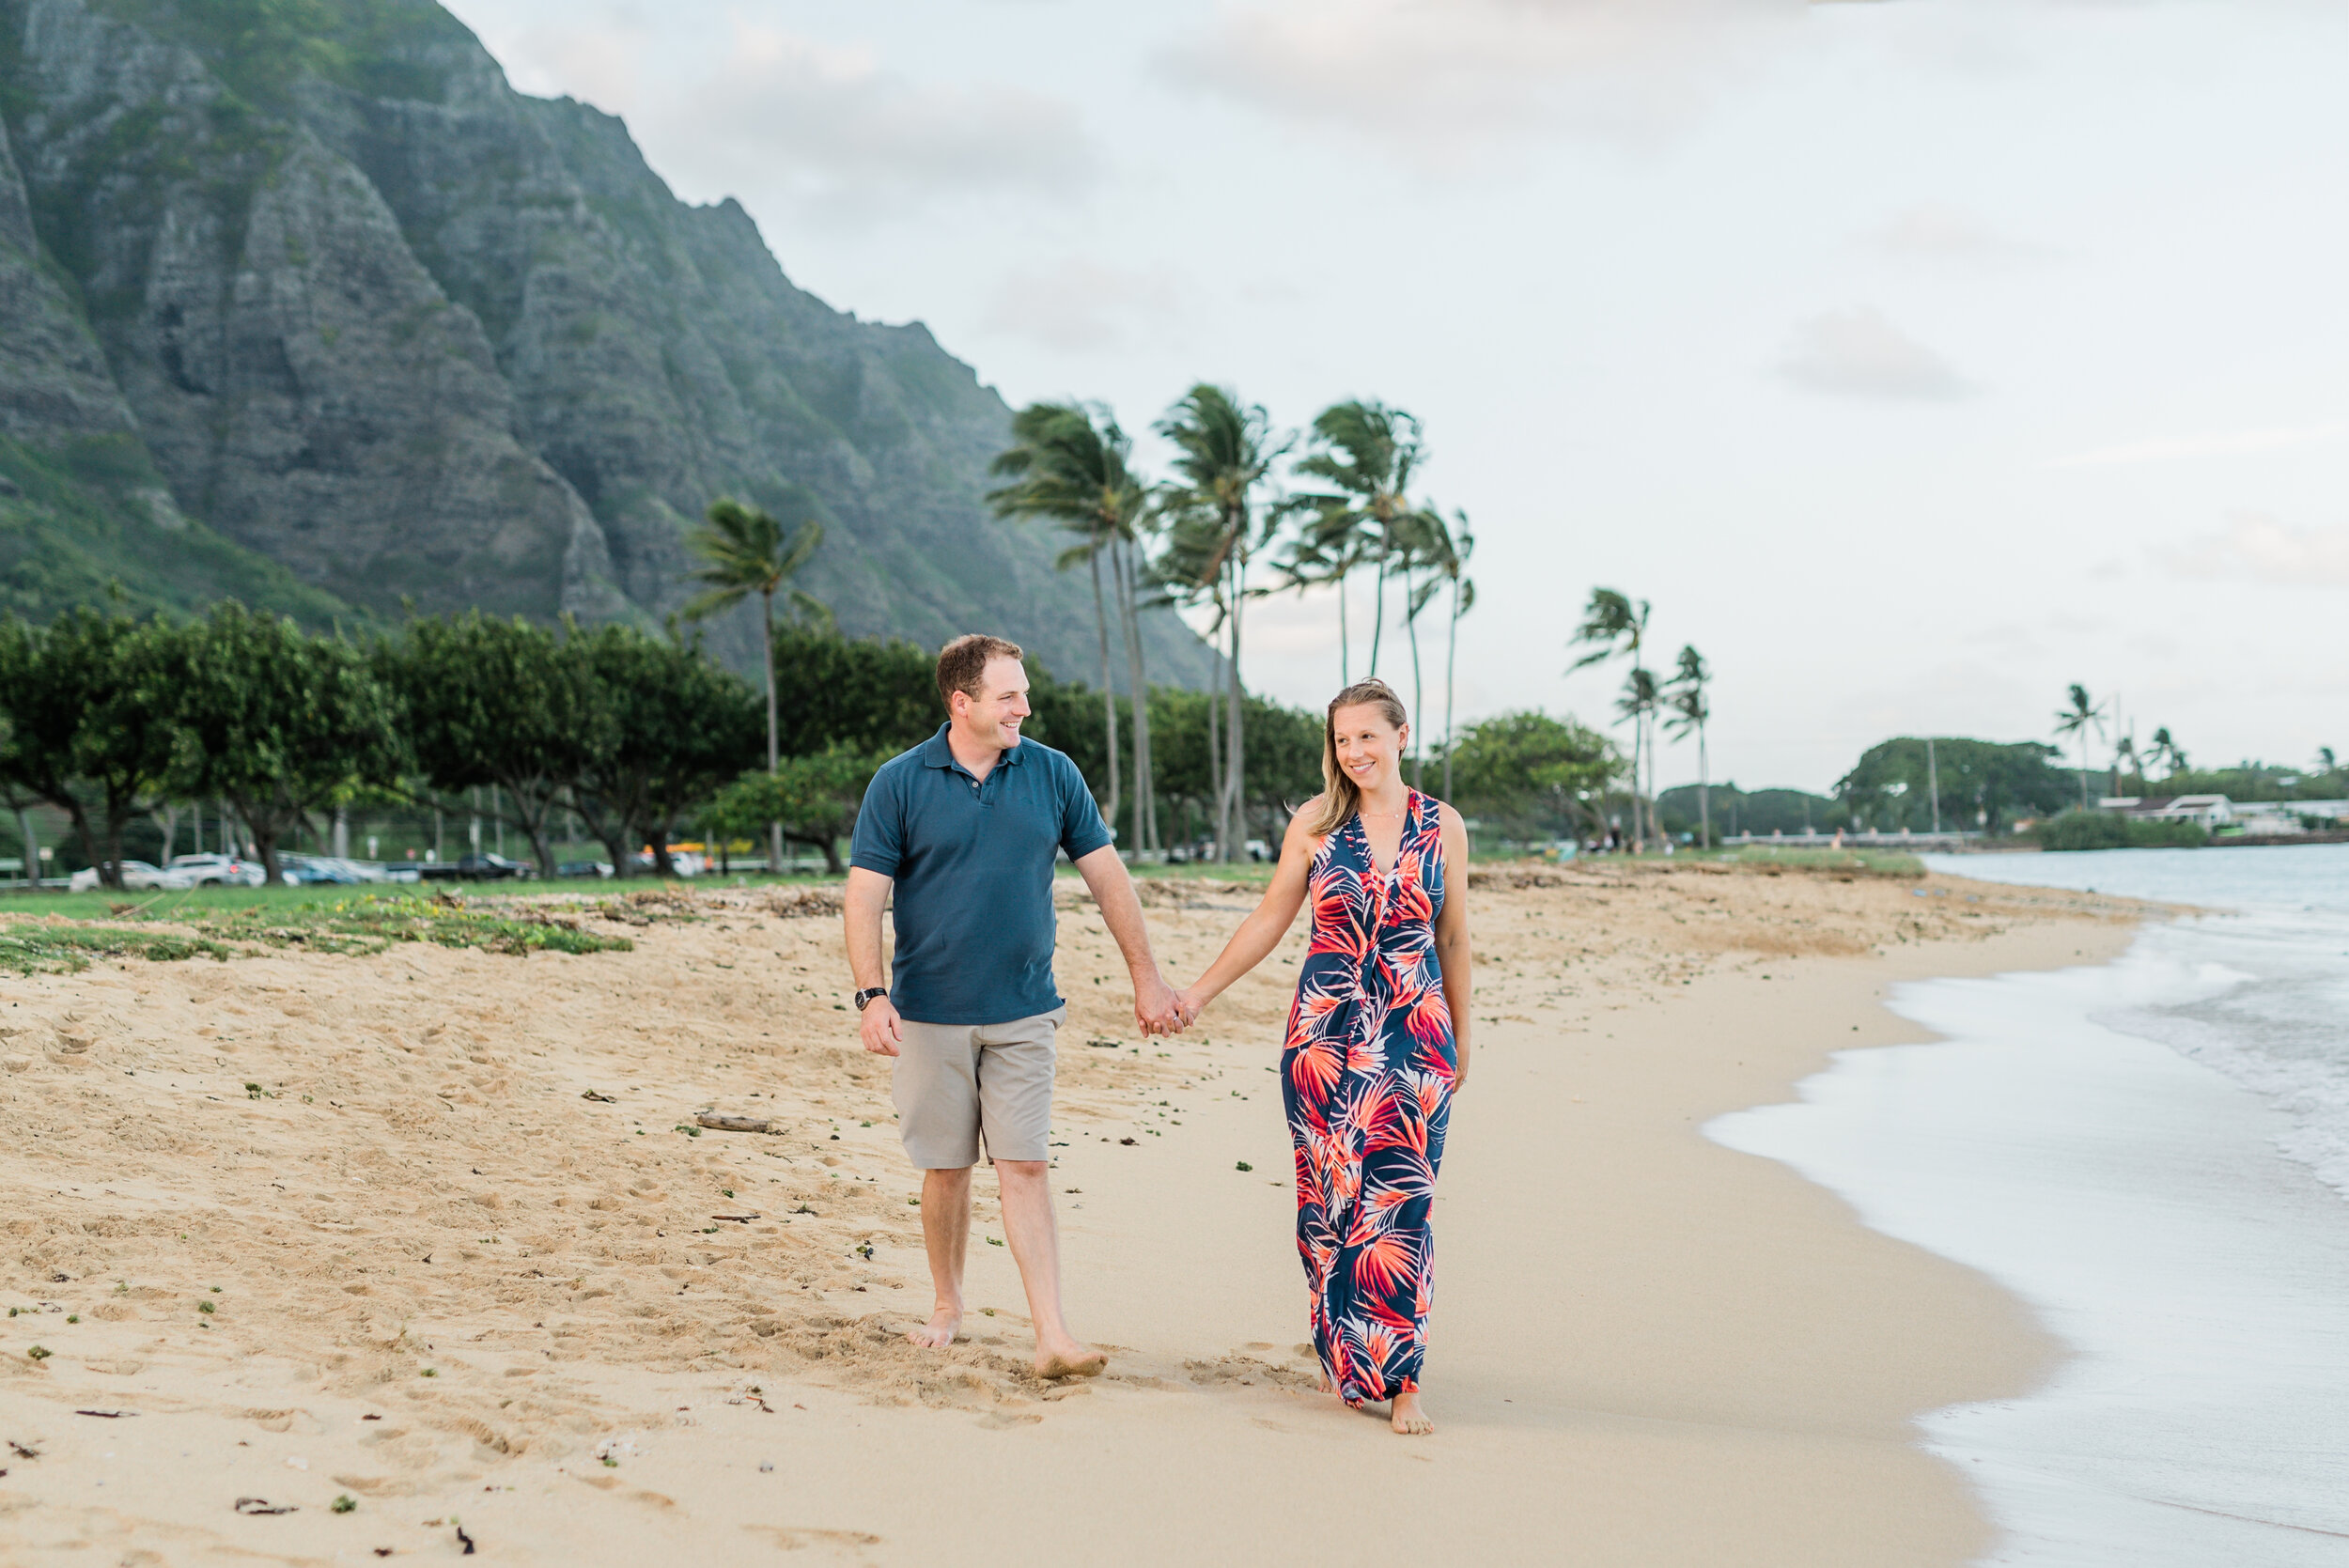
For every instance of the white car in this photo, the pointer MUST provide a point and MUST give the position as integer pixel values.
(135, 873)
(221, 871)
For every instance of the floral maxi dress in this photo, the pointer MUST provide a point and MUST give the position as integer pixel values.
(1366, 1077)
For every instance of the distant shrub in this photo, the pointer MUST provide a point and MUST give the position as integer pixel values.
(2097, 829)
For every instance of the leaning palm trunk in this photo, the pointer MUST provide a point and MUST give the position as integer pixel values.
(1215, 747)
(1235, 750)
(775, 829)
(1108, 687)
(1137, 682)
(1639, 837)
(1410, 627)
(1705, 788)
(1346, 643)
(1379, 606)
(1451, 658)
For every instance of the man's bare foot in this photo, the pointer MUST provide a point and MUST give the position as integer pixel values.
(1069, 1359)
(939, 1332)
(1409, 1421)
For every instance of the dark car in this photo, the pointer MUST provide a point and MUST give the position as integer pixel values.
(475, 868)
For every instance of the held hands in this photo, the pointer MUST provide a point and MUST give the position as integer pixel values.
(879, 1027)
(1159, 1008)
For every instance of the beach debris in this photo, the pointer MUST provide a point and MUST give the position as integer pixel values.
(107, 1415)
(1126, 1141)
(38, 1353)
(737, 1219)
(601, 1098)
(804, 1209)
(863, 1250)
(22, 1451)
(689, 1132)
(343, 1503)
(1242, 1165)
(262, 1505)
(766, 1467)
(717, 1122)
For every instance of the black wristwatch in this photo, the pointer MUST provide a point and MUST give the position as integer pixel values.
(864, 996)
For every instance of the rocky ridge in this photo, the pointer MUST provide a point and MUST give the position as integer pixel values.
(337, 317)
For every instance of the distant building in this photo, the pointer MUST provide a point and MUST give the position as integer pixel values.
(2212, 811)
(2219, 815)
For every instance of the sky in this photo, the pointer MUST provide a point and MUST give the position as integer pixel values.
(1914, 359)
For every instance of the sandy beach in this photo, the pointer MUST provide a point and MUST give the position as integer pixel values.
(465, 1268)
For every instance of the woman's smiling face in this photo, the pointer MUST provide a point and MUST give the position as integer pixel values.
(1370, 749)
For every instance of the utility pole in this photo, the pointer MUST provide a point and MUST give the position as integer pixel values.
(1933, 784)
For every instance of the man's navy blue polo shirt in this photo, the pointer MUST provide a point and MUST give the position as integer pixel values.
(974, 866)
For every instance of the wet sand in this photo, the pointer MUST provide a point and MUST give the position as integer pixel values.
(1645, 1349)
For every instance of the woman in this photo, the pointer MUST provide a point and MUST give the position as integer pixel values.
(1376, 1042)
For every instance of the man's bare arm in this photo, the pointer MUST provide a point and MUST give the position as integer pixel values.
(1154, 1006)
(867, 896)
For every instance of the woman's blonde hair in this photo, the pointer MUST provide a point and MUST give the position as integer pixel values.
(1340, 795)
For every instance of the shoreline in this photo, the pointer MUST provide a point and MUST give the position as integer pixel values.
(1646, 1348)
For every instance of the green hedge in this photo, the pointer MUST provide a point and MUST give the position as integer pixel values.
(2097, 829)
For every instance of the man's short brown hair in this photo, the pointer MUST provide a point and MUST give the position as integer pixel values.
(962, 664)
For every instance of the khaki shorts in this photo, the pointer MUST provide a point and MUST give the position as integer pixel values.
(953, 1082)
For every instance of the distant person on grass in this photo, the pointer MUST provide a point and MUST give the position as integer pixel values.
(965, 828)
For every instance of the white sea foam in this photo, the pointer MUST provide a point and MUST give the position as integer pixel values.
(2104, 1140)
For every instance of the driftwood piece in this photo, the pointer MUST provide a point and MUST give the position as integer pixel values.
(717, 1123)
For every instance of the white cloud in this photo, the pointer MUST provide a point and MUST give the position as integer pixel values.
(1858, 354)
(1944, 234)
(1077, 306)
(827, 132)
(2263, 550)
(1431, 76)
(853, 140)
(2210, 443)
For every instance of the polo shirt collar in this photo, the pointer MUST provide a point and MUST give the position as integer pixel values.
(936, 753)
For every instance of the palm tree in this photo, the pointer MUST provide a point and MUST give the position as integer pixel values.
(745, 552)
(1426, 548)
(1614, 626)
(1073, 468)
(1323, 552)
(1223, 450)
(1692, 707)
(1639, 700)
(2079, 720)
(2124, 761)
(2165, 751)
(1368, 454)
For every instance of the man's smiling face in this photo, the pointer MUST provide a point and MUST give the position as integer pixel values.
(993, 717)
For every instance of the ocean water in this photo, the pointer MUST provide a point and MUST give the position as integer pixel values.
(2153, 1153)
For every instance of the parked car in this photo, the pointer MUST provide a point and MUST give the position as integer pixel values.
(135, 873)
(299, 870)
(221, 871)
(584, 868)
(475, 868)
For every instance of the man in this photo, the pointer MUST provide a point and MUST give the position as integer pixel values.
(964, 827)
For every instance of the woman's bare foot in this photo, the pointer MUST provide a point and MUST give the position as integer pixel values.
(1321, 1380)
(1069, 1358)
(939, 1332)
(1409, 1421)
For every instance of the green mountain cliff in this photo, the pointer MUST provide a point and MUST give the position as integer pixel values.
(301, 302)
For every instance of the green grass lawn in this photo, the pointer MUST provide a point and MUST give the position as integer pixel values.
(230, 923)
